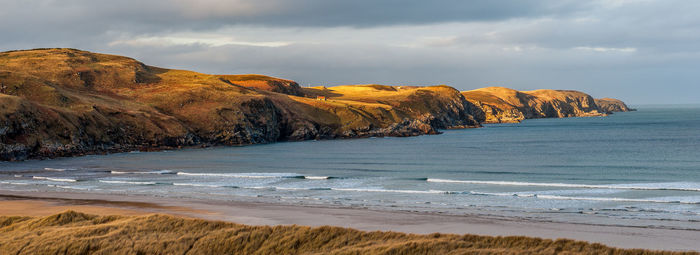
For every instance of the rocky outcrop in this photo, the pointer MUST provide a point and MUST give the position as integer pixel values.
(503, 105)
(611, 105)
(65, 102)
(496, 109)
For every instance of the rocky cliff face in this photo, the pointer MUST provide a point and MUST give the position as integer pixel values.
(64, 102)
(611, 105)
(502, 105)
(497, 109)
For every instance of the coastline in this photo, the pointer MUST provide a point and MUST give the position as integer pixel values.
(255, 213)
(126, 105)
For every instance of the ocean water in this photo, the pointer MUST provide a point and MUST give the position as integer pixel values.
(638, 169)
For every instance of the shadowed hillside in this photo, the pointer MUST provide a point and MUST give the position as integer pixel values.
(65, 102)
(503, 105)
(77, 233)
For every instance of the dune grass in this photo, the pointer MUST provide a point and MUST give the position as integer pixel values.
(72, 232)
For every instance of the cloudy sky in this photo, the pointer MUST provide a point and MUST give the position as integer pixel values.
(641, 51)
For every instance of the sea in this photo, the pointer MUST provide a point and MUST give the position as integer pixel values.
(637, 169)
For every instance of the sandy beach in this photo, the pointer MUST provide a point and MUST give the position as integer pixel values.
(46, 203)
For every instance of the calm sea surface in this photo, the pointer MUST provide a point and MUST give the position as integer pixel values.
(639, 168)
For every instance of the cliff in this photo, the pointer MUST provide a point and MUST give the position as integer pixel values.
(65, 102)
(611, 105)
(504, 105)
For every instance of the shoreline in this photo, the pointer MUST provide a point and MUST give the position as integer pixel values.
(258, 213)
(203, 145)
(140, 148)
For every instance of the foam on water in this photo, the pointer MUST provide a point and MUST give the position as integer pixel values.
(678, 186)
(601, 199)
(59, 169)
(391, 190)
(203, 185)
(143, 172)
(67, 187)
(317, 177)
(244, 175)
(128, 182)
(54, 179)
(14, 183)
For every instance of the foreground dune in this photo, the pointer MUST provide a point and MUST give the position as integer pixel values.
(72, 232)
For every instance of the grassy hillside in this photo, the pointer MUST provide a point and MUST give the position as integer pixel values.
(63, 102)
(77, 233)
(445, 103)
(509, 105)
(612, 105)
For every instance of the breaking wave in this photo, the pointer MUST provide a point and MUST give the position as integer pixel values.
(677, 186)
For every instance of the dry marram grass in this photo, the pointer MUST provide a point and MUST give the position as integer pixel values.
(77, 233)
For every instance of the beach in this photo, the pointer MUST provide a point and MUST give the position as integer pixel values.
(349, 127)
(251, 213)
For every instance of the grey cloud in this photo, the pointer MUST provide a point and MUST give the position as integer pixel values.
(50, 23)
(631, 78)
(138, 15)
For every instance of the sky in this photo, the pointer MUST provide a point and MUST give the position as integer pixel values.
(640, 51)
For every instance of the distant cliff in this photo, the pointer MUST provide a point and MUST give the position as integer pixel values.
(65, 102)
(504, 105)
(610, 105)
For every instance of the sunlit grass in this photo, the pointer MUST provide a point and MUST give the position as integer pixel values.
(77, 233)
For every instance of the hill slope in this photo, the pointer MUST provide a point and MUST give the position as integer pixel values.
(64, 102)
(78, 233)
(503, 105)
(612, 105)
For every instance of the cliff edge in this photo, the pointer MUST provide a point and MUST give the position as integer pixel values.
(66, 102)
(611, 105)
(504, 105)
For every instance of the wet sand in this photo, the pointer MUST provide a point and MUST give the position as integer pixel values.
(250, 213)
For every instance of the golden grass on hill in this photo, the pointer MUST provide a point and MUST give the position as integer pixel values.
(78, 102)
(77, 233)
(411, 101)
(508, 105)
(612, 105)
(64, 102)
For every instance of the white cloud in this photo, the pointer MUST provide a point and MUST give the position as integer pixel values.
(164, 41)
(203, 9)
(604, 49)
(437, 41)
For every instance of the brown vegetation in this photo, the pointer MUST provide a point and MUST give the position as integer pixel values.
(502, 105)
(64, 102)
(77, 233)
(612, 105)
